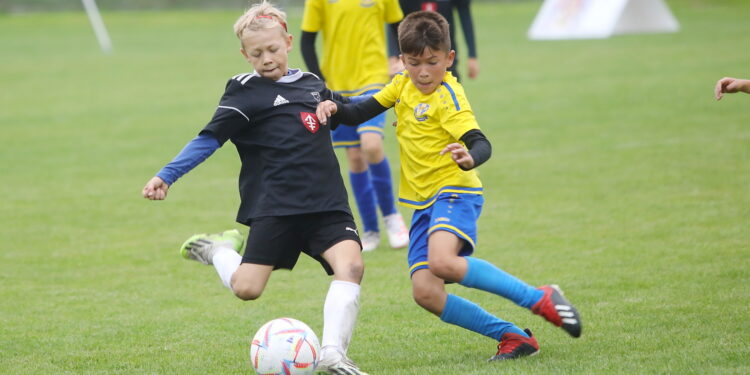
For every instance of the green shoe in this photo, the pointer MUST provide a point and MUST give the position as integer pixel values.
(202, 247)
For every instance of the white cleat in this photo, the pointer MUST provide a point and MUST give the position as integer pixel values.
(338, 364)
(370, 240)
(398, 235)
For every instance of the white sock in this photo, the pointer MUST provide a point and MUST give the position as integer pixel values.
(226, 261)
(339, 314)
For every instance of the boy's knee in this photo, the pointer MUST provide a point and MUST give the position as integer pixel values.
(246, 292)
(354, 270)
(373, 152)
(445, 268)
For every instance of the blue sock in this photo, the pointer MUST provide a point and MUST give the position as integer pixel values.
(365, 198)
(381, 181)
(485, 276)
(469, 315)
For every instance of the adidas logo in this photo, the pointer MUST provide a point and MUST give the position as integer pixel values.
(279, 100)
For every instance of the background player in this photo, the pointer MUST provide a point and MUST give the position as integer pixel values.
(355, 63)
(269, 116)
(446, 9)
(435, 127)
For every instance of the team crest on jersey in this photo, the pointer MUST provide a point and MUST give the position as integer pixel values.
(310, 121)
(367, 3)
(316, 95)
(420, 111)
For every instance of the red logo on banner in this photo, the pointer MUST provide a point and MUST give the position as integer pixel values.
(429, 6)
(310, 121)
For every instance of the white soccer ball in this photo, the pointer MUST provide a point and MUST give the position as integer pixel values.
(284, 346)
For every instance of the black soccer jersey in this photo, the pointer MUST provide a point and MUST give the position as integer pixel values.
(288, 163)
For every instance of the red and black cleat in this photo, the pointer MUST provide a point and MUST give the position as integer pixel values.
(513, 345)
(557, 310)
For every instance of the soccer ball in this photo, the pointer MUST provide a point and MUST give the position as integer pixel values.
(284, 346)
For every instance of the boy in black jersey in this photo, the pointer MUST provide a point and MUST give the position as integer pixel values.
(292, 193)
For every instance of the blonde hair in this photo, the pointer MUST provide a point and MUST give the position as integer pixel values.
(260, 16)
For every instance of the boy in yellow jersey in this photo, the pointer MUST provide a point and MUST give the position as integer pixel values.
(355, 63)
(441, 145)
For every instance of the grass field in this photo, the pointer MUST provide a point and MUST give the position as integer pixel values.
(614, 174)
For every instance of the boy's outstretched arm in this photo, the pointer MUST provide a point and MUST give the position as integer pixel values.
(194, 153)
(349, 113)
(478, 150)
(731, 85)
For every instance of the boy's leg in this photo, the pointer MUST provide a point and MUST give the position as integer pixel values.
(382, 181)
(429, 293)
(445, 262)
(471, 272)
(364, 196)
(341, 307)
(446, 265)
(247, 281)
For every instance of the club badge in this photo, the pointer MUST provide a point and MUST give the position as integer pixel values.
(420, 111)
(310, 121)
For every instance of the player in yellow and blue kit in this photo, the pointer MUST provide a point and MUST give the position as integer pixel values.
(441, 145)
(355, 63)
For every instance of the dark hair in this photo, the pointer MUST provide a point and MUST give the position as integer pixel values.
(424, 29)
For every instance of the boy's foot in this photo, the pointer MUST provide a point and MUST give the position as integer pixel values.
(557, 310)
(513, 345)
(370, 240)
(202, 247)
(398, 235)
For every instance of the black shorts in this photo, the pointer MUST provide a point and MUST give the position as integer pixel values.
(278, 240)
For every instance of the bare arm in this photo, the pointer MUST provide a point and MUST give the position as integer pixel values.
(731, 85)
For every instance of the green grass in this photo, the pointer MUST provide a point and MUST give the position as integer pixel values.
(614, 174)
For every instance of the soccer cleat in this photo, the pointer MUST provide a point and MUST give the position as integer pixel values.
(557, 310)
(398, 235)
(202, 247)
(370, 240)
(513, 345)
(344, 366)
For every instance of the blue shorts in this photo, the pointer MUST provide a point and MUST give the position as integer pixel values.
(348, 136)
(452, 212)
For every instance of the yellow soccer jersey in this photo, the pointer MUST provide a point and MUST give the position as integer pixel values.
(354, 41)
(426, 124)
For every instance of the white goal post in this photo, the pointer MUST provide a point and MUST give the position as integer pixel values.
(98, 24)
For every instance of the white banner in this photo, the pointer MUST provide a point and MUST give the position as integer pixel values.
(579, 19)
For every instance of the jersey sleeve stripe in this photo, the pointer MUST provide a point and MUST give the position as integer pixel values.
(246, 79)
(453, 95)
(238, 111)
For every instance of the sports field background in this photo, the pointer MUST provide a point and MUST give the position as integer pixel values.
(614, 173)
